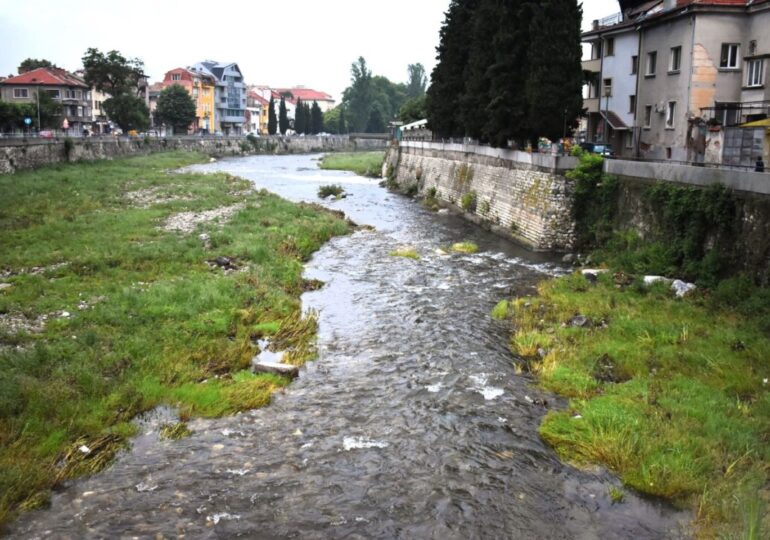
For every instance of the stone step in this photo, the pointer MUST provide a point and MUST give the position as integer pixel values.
(264, 366)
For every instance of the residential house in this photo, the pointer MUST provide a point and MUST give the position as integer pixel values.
(256, 113)
(71, 91)
(202, 88)
(700, 74)
(307, 95)
(229, 95)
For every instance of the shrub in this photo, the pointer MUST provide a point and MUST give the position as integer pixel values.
(468, 201)
(328, 190)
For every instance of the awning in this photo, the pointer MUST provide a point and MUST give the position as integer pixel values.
(613, 120)
(765, 122)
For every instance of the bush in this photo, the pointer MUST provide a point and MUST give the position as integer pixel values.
(69, 144)
(328, 190)
(468, 201)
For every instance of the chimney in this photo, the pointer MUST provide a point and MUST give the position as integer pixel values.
(595, 24)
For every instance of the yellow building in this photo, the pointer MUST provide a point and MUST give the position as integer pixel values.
(205, 101)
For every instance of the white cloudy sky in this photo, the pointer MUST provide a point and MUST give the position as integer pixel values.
(276, 43)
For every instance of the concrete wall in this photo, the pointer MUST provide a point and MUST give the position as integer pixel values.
(17, 155)
(528, 200)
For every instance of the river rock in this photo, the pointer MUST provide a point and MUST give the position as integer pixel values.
(569, 258)
(681, 288)
(592, 274)
(4, 286)
(265, 366)
(649, 280)
(580, 321)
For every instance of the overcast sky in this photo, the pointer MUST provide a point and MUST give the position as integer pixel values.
(301, 42)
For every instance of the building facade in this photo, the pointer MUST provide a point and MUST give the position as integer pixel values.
(70, 91)
(202, 88)
(700, 76)
(229, 107)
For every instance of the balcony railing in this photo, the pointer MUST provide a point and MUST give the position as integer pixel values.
(594, 65)
(591, 105)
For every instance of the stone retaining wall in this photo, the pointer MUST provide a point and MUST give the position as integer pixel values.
(19, 155)
(530, 203)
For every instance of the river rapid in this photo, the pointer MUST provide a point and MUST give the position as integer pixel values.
(412, 422)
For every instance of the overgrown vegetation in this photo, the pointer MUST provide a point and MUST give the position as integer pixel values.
(464, 247)
(468, 201)
(361, 163)
(670, 394)
(407, 252)
(691, 236)
(109, 314)
(330, 190)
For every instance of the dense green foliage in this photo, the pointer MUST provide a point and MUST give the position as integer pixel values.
(283, 118)
(671, 394)
(413, 109)
(118, 315)
(176, 108)
(299, 118)
(363, 163)
(12, 114)
(507, 71)
(316, 118)
(416, 81)
(334, 120)
(272, 120)
(33, 63)
(119, 77)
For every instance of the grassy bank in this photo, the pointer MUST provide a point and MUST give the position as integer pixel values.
(111, 311)
(671, 394)
(363, 163)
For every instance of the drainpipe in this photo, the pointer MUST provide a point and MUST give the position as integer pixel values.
(689, 80)
(638, 132)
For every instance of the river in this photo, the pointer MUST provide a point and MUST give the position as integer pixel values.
(412, 422)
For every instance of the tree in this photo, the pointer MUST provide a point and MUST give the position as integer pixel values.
(358, 96)
(176, 108)
(317, 118)
(447, 79)
(413, 109)
(33, 63)
(112, 73)
(416, 80)
(555, 79)
(299, 118)
(375, 124)
(342, 127)
(50, 111)
(473, 113)
(129, 112)
(283, 119)
(272, 121)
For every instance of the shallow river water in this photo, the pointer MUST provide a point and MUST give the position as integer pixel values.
(412, 423)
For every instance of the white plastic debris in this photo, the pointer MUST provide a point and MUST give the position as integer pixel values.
(83, 448)
(649, 280)
(681, 288)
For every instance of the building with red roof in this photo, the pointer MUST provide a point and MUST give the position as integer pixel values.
(71, 91)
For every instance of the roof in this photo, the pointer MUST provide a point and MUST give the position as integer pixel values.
(47, 77)
(614, 120)
(252, 94)
(305, 94)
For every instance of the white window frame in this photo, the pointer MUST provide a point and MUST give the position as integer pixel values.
(606, 87)
(675, 55)
(21, 93)
(670, 114)
(732, 60)
(176, 76)
(755, 72)
(609, 46)
(51, 93)
(652, 62)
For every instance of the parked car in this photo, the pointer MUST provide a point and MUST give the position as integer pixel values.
(45, 134)
(598, 148)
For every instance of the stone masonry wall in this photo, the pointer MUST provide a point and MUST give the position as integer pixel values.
(530, 204)
(18, 155)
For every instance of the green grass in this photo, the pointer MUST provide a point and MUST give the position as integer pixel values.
(150, 321)
(406, 252)
(464, 247)
(670, 394)
(328, 190)
(362, 163)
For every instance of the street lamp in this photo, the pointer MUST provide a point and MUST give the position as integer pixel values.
(607, 92)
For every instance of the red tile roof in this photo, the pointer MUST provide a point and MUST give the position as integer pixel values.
(47, 77)
(305, 94)
(259, 98)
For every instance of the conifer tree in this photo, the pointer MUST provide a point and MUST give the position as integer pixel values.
(283, 118)
(272, 121)
(473, 112)
(343, 125)
(317, 118)
(299, 118)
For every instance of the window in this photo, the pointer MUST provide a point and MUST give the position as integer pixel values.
(607, 87)
(729, 58)
(647, 116)
(754, 72)
(78, 94)
(596, 50)
(652, 59)
(55, 94)
(176, 76)
(609, 49)
(670, 112)
(675, 60)
(632, 104)
(20, 92)
(634, 65)
(629, 140)
(80, 111)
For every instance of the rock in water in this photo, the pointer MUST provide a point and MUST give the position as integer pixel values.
(263, 366)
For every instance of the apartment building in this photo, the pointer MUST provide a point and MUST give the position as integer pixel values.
(202, 88)
(700, 78)
(229, 95)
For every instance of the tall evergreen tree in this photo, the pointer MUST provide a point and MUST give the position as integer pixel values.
(317, 118)
(447, 80)
(299, 118)
(555, 80)
(416, 81)
(358, 95)
(272, 121)
(475, 97)
(507, 116)
(283, 118)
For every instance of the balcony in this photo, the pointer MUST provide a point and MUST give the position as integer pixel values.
(591, 105)
(594, 65)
